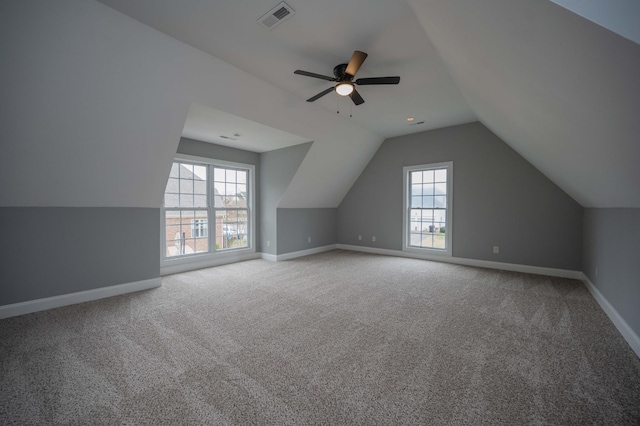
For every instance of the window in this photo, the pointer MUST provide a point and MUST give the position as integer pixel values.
(199, 228)
(428, 208)
(199, 192)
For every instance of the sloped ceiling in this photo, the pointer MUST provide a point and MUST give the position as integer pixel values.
(619, 16)
(562, 91)
(96, 101)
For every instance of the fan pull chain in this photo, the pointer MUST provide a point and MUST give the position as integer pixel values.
(338, 104)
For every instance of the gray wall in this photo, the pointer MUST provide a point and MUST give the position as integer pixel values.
(296, 225)
(220, 152)
(277, 169)
(499, 199)
(612, 245)
(58, 250)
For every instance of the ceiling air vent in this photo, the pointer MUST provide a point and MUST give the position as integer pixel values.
(276, 15)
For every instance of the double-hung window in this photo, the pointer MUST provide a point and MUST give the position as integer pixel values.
(207, 208)
(428, 208)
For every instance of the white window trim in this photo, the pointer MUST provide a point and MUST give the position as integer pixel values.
(406, 209)
(230, 254)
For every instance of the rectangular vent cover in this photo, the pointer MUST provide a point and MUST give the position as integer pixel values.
(276, 15)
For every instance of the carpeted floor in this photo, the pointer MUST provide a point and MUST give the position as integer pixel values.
(336, 338)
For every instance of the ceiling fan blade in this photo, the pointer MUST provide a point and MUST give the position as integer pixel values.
(377, 80)
(356, 98)
(314, 75)
(356, 62)
(321, 94)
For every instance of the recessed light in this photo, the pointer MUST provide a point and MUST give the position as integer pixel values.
(410, 119)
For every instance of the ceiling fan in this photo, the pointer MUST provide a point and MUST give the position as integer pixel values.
(344, 74)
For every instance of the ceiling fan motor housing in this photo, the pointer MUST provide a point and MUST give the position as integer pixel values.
(340, 74)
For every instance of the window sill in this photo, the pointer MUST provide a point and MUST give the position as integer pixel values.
(205, 260)
(428, 251)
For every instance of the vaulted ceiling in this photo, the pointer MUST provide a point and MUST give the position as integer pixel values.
(560, 89)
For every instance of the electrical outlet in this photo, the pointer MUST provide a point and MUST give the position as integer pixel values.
(496, 249)
(268, 243)
(308, 239)
(373, 238)
(359, 237)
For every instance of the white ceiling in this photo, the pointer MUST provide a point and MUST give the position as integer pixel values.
(318, 37)
(212, 125)
(559, 89)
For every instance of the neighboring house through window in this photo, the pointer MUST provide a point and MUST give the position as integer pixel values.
(200, 191)
(428, 208)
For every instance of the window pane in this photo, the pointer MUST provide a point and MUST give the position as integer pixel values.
(416, 202)
(184, 231)
(242, 176)
(200, 172)
(231, 229)
(186, 186)
(200, 187)
(186, 171)
(202, 245)
(416, 177)
(427, 189)
(427, 202)
(231, 175)
(220, 188)
(171, 200)
(175, 167)
(440, 215)
(180, 191)
(440, 201)
(428, 176)
(200, 201)
(441, 175)
(440, 188)
(186, 200)
(426, 241)
(219, 175)
(172, 185)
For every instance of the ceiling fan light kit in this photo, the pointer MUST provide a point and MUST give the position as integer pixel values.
(344, 89)
(344, 74)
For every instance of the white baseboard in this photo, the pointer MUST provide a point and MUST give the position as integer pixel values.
(301, 253)
(627, 332)
(553, 272)
(270, 257)
(31, 306)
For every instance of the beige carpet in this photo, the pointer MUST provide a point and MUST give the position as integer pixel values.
(335, 338)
